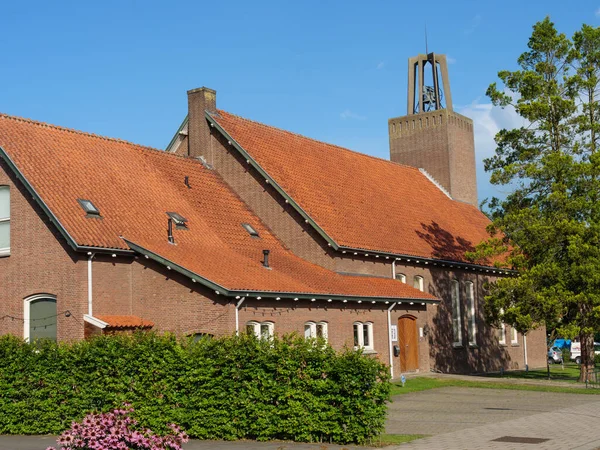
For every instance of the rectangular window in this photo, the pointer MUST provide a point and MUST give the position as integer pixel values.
(471, 313)
(363, 335)
(456, 323)
(4, 220)
(502, 335)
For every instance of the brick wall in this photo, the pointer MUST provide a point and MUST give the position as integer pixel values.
(41, 262)
(442, 143)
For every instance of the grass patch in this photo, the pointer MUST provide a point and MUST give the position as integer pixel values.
(570, 373)
(395, 439)
(426, 383)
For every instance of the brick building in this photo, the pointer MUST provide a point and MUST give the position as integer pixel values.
(240, 226)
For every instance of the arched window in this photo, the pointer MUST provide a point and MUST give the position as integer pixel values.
(363, 335)
(315, 330)
(471, 313)
(514, 336)
(4, 221)
(456, 323)
(418, 283)
(40, 318)
(262, 330)
(401, 277)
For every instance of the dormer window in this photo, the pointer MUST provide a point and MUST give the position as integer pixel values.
(251, 231)
(89, 207)
(179, 221)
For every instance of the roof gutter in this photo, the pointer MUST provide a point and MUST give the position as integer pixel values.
(330, 241)
(238, 294)
(53, 219)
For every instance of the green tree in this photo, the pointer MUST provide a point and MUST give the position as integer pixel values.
(548, 227)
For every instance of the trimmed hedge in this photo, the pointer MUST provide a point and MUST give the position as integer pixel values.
(217, 388)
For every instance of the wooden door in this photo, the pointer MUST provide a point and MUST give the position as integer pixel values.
(408, 343)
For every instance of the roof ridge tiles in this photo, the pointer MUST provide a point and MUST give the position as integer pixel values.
(73, 130)
(377, 158)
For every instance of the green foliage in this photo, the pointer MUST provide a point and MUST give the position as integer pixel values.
(550, 222)
(224, 388)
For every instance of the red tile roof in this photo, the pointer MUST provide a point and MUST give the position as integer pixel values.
(134, 187)
(360, 201)
(126, 321)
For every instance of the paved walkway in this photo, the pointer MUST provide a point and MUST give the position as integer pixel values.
(569, 428)
(472, 418)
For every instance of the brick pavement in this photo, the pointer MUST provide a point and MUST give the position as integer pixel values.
(471, 423)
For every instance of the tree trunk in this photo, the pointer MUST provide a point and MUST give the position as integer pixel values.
(587, 357)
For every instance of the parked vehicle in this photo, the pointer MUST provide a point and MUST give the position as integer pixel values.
(576, 351)
(555, 356)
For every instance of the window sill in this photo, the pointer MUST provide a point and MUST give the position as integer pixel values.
(457, 345)
(502, 344)
(369, 351)
(4, 252)
(512, 344)
(473, 346)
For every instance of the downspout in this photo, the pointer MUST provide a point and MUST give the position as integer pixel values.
(237, 315)
(89, 270)
(525, 351)
(390, 338)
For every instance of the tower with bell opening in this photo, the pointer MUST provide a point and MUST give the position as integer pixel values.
(432, 136)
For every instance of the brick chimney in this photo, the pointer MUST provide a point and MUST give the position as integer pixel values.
(199, 138)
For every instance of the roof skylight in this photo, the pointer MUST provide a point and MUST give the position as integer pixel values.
(89, 207)
(251, 231)
(178, 219)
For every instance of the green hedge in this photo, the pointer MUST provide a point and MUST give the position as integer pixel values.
(222, 388)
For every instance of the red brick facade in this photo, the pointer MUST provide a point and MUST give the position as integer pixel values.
(41, 261)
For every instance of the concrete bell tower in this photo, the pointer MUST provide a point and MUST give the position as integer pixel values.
(432, 136)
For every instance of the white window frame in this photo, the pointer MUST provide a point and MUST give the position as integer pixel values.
(471, 318)
(310, 330)
(361, 333)
(418, 279)
(514, 336)
(257, 328)
(401, 277)
(456, 319)
(502, 340)
(27, 313)
(6, 251)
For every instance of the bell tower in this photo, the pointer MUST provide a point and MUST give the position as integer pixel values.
(432, 136)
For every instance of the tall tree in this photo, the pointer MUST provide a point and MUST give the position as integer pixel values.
(549, 225)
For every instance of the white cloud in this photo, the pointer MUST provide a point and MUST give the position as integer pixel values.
(347, 114)
(381, 65)
(450, 60)
(475, 22)
(488, 120)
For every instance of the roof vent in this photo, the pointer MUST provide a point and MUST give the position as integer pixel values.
(89, 207)
(265, 261)
(186, 181)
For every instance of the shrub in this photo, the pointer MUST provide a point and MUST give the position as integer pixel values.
(116, 429)
(228, 388)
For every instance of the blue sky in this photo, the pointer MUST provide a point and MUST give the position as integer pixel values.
(332, 70)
